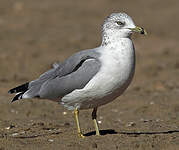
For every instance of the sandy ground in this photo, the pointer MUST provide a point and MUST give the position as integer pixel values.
(36, 33)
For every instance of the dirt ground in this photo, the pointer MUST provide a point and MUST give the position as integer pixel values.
(36, 33)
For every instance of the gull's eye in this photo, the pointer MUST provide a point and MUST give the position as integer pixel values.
(120, 23)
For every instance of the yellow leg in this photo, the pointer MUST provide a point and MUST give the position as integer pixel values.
(78, 124)
(96, 127)
(94, 116)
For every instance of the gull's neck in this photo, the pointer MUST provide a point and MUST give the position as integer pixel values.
(112, 37)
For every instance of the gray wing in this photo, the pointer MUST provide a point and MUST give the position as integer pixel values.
(60, 86)
(63, 73)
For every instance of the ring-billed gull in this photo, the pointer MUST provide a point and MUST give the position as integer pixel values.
(90, 78)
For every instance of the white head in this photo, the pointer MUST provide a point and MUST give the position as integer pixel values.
(119, 25)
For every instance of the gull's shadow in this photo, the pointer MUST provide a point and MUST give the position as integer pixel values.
(149, 133)
(111, 131)
(102, 132)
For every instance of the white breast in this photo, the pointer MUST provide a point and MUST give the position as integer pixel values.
(117, 68)
(118, 65)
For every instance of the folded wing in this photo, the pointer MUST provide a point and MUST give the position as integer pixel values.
(60, 86)
(74, 73)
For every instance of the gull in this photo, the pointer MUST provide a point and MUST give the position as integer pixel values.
(90, 78)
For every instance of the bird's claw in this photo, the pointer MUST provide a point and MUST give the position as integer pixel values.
(81, 135)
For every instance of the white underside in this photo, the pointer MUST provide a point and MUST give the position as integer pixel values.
(118, 65)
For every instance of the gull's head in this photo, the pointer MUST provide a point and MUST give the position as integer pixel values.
(121, 25)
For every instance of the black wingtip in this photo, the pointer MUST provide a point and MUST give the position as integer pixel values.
(17, 97)
(10, 91)
(13, 100)
(21, 88)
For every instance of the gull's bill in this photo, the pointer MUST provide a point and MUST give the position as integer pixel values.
(139, 30)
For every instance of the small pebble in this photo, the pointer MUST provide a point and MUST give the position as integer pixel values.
(131, 124)
(151, 103)
(14, 111)
(50, 140)
(157, 120)
(15, 134)
(99, 121)
(100, 117)
(7, 128)
(64, 113)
